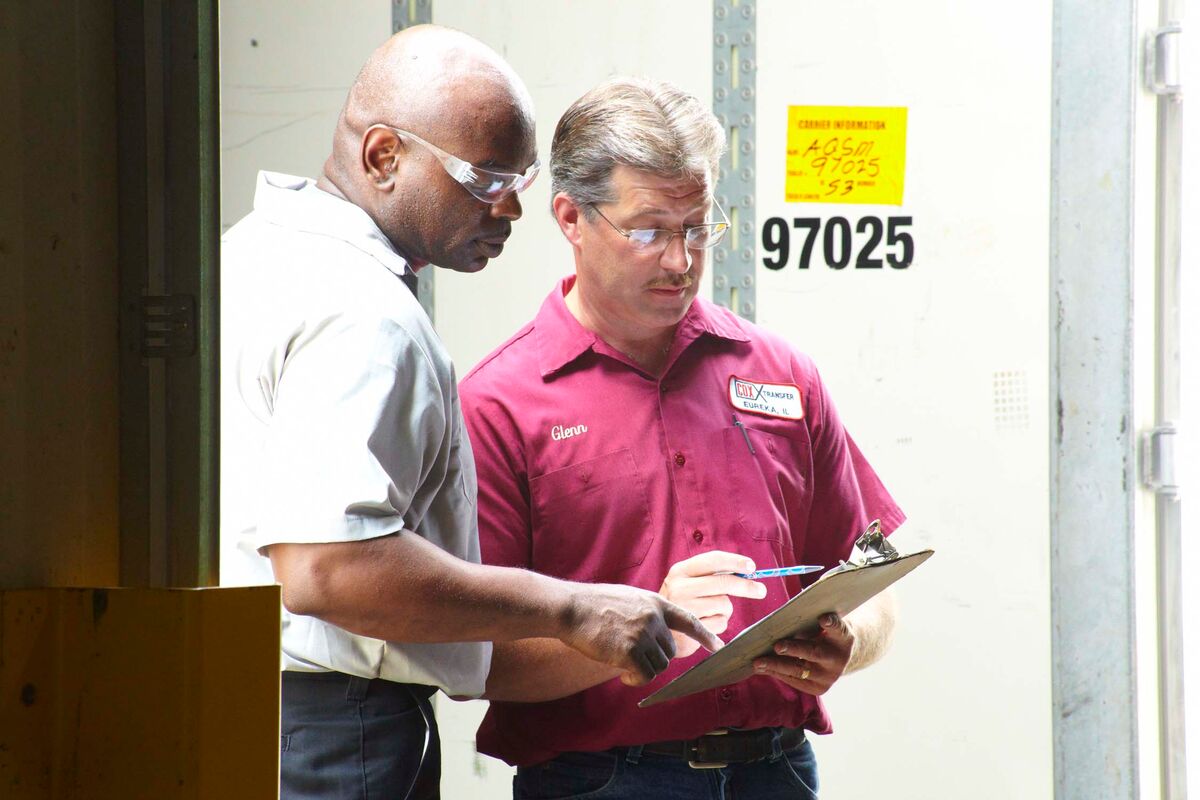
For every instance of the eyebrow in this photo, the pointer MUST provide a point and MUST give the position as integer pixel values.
(654, 211)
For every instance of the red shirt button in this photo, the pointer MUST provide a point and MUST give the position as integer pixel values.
(726, 694)
(680, 460)
(698, 535)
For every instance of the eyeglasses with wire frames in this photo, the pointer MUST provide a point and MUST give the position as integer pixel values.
(701, 236)
(487, 186)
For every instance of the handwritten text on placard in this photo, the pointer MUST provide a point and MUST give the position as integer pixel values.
(846, 154)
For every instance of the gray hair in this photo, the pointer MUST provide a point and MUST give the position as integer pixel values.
(644, 124)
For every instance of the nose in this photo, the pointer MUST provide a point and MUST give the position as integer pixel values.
(676, 257)
(509, 208)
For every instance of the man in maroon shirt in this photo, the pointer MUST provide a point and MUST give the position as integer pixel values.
(634, 433)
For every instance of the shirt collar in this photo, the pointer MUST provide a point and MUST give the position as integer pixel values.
(297, 203)
(561, 339)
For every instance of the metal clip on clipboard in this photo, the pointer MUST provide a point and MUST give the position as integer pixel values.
(872, 547)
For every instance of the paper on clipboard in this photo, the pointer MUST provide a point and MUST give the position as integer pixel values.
(874, 566)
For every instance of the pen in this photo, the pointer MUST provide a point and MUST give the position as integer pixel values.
(780, 572)
(745, 435)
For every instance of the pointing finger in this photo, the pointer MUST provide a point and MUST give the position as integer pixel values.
(684, 622)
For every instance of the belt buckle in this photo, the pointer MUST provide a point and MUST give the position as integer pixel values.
(708, 764)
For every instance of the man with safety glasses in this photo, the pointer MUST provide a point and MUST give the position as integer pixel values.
(347, 472)
(635, 433)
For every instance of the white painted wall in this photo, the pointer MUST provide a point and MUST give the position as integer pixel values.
(960, 708)
(285, 68)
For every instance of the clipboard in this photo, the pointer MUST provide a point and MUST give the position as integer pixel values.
(874, 565)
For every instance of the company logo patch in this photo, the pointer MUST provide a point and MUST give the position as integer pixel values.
(780, 400)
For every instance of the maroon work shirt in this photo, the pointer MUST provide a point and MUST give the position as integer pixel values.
(591, 470)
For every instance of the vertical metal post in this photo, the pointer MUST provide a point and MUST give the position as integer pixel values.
(169, 241)
(405, 14)
(735, 66)
(1093, 478)
(1162, 78)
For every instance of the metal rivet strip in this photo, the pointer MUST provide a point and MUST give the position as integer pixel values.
(735, 68)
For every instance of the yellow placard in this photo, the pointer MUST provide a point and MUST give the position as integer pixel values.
(845, 154)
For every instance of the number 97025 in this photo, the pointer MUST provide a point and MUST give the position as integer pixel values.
(837, 244)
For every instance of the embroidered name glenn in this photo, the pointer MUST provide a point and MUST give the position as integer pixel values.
(558, 432)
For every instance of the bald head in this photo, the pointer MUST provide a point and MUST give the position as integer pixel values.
(428, 89)
(429, 80)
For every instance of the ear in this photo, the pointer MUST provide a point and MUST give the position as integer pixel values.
(569, 217)
(381, 149)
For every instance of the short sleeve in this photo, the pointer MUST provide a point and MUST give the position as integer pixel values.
(847, 493)
(357, 420)
(504, 518)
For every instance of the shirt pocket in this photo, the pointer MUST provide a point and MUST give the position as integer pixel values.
(591, 520)
(770, 486)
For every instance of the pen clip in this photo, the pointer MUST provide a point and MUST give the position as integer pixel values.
(745, 434)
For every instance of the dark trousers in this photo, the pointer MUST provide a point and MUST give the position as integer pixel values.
(356, 739)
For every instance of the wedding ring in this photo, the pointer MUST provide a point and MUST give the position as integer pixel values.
(804, 673)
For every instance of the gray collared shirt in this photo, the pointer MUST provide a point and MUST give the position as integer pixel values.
(340, 417)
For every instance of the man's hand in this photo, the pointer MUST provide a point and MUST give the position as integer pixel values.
(629, 629)
(814, 663)
(696, 585)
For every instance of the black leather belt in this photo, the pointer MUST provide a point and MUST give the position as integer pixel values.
(724, 747)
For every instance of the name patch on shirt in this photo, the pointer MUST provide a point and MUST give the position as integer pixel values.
(780, 400)
(560, 432)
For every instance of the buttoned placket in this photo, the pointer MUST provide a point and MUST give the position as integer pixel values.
(693, 521)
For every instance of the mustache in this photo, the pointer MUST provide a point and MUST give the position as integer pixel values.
(680, 282)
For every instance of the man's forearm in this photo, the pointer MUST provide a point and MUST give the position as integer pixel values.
(873, 624)
(402, 588)
(535, 670)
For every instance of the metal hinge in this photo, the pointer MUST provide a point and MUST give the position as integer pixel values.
(1158, 460)
(168, 325)
(1162, 60)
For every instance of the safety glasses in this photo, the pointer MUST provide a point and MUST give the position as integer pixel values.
(485, 185)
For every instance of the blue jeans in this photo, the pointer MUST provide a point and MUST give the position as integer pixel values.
(627, 773)
(348, 738)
